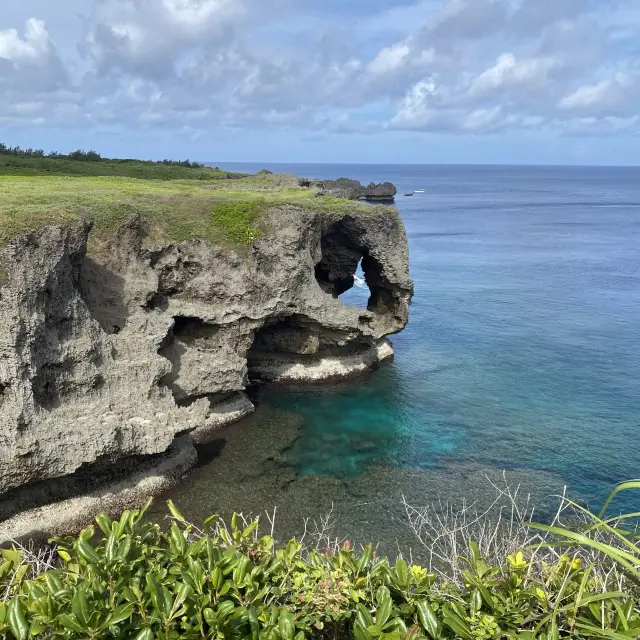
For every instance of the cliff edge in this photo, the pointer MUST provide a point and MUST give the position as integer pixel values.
(110, 354)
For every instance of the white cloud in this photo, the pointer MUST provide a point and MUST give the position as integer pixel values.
(467, 19)
(509, 72)
(389, 59)
(607, 95)
(199, 15)
(532, 16)
(31, 74)
(471, 66)
(418, 108)
(35, 48)
(153, 36)
(588, 96)
(482, 119)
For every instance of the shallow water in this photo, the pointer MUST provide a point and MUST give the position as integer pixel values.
(522, 354)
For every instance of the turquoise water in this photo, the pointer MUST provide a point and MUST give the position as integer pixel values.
(522, 354)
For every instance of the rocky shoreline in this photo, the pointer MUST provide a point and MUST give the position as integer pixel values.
(277, 368)
(67, 517)
(136, 352)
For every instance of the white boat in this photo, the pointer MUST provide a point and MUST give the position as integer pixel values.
(418, 191)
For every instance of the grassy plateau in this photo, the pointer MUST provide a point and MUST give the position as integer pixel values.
(180, 202)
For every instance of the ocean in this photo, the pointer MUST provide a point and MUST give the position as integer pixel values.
(520, 363)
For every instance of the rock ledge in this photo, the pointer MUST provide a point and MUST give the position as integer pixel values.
(109, 356)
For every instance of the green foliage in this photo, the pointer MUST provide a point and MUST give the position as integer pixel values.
(80, 155)
(86, 165)
(616, 539)
(239, 219)
(134, 580)
(13, 569)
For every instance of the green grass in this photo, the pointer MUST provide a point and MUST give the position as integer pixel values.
(228, 211)
(239, 219)
(27, 166)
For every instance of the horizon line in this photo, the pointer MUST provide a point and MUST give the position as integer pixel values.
(426, 164)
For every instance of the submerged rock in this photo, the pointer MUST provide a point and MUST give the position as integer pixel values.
(109, 356)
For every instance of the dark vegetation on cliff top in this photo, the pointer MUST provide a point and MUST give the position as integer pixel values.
(18, 161)
(181, 200)
(517, 581)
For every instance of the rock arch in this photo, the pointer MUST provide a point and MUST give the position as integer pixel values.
(344, 246)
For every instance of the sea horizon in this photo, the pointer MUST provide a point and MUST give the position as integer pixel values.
(221, 163)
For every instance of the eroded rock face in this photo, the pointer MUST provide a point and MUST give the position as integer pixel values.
(379, 192)
(107, 357)
(353, 189)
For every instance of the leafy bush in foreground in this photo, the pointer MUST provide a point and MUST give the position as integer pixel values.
(137, 581)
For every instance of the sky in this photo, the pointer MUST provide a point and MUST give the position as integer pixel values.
(350, 81)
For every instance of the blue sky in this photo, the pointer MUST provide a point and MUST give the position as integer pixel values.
(432, 81)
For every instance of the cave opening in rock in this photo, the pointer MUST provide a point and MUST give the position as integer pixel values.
(359, 294)
(347, 270)
(282, 340)
(289, 334)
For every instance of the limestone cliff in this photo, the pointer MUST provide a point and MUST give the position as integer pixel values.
(114, 353)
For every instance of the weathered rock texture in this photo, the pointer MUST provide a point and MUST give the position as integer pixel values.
(276, 367)
(68, 516)
(113, 355)
(353, 190)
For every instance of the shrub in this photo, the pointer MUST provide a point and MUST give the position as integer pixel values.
(135, 580)
(82, 163)
(29, 162)
(81, 155)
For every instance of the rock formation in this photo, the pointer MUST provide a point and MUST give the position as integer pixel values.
(353, 190)
(110, 355)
